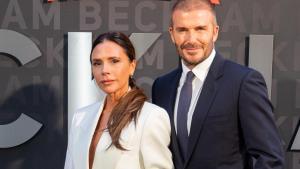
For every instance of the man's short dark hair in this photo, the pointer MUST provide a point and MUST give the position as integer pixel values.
(187, 5)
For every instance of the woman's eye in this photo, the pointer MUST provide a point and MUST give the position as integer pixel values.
(96, 63)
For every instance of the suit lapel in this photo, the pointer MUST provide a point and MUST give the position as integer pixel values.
(208, 93)
(88, 126)
(170, 108)
(172, 93)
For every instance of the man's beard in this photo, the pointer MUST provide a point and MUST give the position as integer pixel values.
(185, 60)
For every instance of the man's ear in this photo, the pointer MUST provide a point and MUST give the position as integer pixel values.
(216, 33)
(171, 34)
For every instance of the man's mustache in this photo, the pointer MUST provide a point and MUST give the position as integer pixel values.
(190, 45)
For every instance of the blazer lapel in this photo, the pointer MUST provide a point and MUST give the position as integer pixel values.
(172, 93)
(88, 126)
(208, 93)
(170, 108)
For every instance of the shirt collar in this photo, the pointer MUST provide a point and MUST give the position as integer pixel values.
(202, 68)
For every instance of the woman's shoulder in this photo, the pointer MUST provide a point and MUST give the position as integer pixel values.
(153, 108)
(89, 107)
(154, 123)
(152, 111)
(84, 112)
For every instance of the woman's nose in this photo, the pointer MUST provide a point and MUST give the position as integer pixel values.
(105, 68)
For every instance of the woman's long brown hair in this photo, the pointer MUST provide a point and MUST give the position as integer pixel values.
(129, 106)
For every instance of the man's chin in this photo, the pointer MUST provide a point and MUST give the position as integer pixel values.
(192, 53)
(191, 63)
(193, 60)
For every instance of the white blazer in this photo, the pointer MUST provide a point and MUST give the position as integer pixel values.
(147, 142)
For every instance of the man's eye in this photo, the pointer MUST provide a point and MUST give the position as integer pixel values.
(180, 30)
(201, 28)
(115, 61)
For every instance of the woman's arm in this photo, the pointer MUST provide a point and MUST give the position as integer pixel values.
(155, 141)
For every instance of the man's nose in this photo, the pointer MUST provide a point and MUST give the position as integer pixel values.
(191, 36)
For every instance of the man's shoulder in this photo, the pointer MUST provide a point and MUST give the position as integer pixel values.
(168, 76)
(232, 69)
(236, 68)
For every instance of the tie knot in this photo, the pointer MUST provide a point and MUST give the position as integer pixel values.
(189, 77)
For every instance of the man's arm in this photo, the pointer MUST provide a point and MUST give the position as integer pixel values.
(258, 125)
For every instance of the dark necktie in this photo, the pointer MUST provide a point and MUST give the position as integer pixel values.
(182, 112)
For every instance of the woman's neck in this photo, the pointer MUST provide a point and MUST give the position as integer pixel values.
(113, 99)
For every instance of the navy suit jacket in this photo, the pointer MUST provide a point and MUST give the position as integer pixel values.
(233, 124)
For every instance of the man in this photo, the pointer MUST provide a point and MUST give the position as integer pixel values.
(220, 113)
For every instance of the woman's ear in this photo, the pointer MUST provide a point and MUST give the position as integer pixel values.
(132, 67)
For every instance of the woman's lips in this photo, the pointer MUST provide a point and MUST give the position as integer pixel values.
(106, 82)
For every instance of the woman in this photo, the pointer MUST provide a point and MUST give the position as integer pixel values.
(123, 131)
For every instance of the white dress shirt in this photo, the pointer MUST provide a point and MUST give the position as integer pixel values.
(200, 72)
